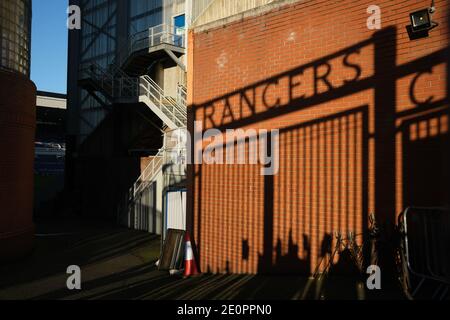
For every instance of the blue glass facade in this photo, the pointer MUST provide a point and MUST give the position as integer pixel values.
(106, 27)
(144, 14)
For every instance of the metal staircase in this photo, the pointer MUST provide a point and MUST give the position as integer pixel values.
(121, 82)
(167, 168)
(111, 83)
(118, 87)
(181, 95)
(173, 153)
(95, 79)
(149, 174)
(155, 42)
(166, 108)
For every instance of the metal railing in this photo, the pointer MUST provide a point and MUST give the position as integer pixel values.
(181, 95)
(170, 161)
(112, 81)
(148, 175)
(135, 211)
(116, 84)
(172, 157)
(154, 36)
(175, 144)
(173, 153)
(125, 86)
(160, 34)
(100, 76)
(425, 252)
(171, 109)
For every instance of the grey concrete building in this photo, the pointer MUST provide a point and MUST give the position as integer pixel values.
(127, 115)
(126, 95)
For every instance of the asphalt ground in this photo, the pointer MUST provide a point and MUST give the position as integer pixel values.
(118, 263)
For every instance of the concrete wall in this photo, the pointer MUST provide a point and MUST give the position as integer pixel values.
(173, 8)
(173, 74)
(172, 77)
(207, 11)
(363, 121)
(155, 217)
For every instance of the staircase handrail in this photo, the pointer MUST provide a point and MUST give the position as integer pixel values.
(153, 36)
(181, 94)
(149, 173)
(168, 106)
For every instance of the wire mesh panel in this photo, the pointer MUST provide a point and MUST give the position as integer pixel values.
(426, 251)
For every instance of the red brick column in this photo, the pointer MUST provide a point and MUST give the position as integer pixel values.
(17, 131)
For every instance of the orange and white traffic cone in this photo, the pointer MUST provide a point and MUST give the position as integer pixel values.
(190, 266)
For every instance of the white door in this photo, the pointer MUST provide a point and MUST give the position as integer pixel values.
(176, 210)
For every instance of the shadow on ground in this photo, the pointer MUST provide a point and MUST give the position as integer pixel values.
(147, 283)
(61, 243)
(119, 264)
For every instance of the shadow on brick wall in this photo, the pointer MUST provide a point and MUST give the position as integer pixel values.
(345, 144)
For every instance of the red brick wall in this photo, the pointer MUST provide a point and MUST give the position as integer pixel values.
(363, 132)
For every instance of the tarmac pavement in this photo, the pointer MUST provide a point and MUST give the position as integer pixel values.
(118, 263)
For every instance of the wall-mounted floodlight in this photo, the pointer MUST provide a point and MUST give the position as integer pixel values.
(422, 19)
(422, 22)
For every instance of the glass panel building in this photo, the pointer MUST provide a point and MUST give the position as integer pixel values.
(15, 35)
(97, 44)
(106, 29)
(110, 133)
